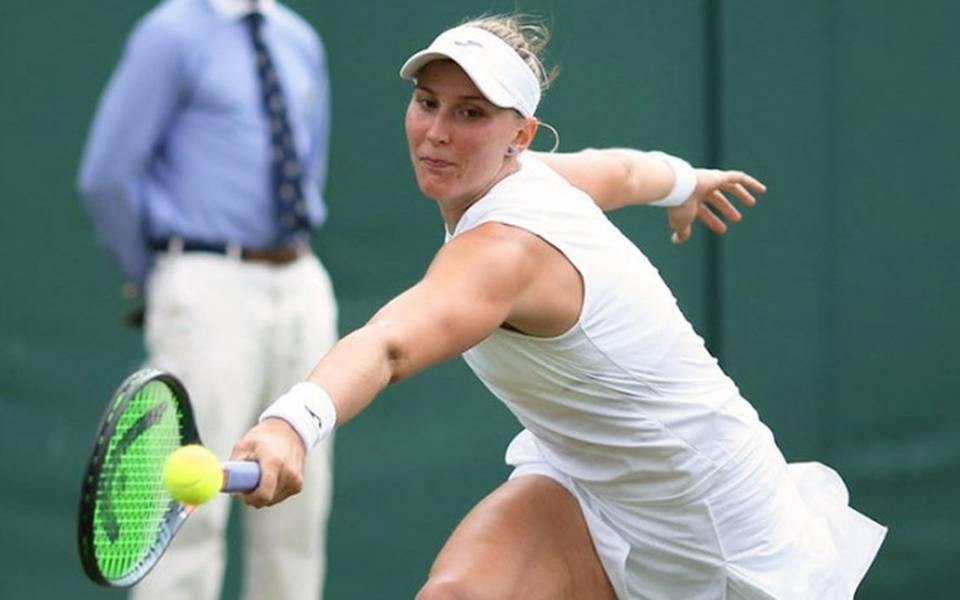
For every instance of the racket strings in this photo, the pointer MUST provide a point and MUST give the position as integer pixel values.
(132, 507)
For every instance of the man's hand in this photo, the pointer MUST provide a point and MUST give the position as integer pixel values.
(277, 447)
(136, 316)
(710, 195)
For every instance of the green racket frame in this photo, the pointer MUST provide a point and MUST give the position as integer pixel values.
(126, 518)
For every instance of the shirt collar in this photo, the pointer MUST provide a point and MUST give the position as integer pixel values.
(236, 9)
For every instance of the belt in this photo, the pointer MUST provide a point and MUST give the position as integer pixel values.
(280, 255)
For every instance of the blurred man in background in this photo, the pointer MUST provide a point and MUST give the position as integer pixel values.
(202, 175)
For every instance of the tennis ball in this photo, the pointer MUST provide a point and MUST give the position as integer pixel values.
(192, 474)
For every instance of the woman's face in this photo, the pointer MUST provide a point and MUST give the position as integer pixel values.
(458, 140)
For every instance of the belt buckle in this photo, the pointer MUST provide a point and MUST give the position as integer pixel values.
(300, 248)
(234, 251)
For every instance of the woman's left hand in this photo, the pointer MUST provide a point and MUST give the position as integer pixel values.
(711, 195)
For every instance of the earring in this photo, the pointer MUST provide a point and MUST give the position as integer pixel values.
(511, 150)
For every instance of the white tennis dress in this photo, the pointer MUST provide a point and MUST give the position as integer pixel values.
(685, 493)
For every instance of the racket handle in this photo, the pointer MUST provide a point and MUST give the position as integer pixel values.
(240, 476)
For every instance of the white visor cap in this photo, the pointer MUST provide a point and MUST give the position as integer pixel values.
(493, 66)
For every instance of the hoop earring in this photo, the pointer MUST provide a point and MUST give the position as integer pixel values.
(556, 135)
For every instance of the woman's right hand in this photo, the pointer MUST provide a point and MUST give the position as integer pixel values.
(279, 450)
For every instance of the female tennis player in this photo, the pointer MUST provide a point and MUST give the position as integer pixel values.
(641, 472)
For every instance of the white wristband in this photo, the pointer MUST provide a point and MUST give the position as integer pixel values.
(308, 409)
(684, 180)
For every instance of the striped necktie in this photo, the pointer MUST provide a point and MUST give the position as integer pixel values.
(286, 171)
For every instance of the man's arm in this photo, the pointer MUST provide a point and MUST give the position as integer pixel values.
(135, 109)
(317, 162)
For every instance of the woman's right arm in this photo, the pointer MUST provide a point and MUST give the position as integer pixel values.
(469, 291)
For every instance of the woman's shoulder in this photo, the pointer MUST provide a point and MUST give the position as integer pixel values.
(534, 197)
(536, 184)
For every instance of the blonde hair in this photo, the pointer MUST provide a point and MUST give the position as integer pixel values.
(526, 36)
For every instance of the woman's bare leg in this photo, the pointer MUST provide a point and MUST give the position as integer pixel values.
(526, 540)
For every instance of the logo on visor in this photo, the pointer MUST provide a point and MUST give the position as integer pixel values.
(468, 43)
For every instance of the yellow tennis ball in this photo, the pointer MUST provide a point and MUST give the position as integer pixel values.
(193, 474)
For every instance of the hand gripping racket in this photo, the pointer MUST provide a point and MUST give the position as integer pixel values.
(126, 517)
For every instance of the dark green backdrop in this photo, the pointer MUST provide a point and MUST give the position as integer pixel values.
(833, 305)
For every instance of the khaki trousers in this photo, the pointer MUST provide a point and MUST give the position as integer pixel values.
(239, 334)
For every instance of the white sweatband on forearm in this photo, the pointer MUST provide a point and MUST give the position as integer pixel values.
(684, 180)
(307, 408)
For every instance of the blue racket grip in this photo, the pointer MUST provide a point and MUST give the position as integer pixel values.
(240, 476)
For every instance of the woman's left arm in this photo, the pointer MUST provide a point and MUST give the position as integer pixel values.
(618, 177)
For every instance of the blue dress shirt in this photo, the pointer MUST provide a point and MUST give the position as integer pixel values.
(179, 146)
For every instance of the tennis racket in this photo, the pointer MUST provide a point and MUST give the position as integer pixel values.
(126, 517)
